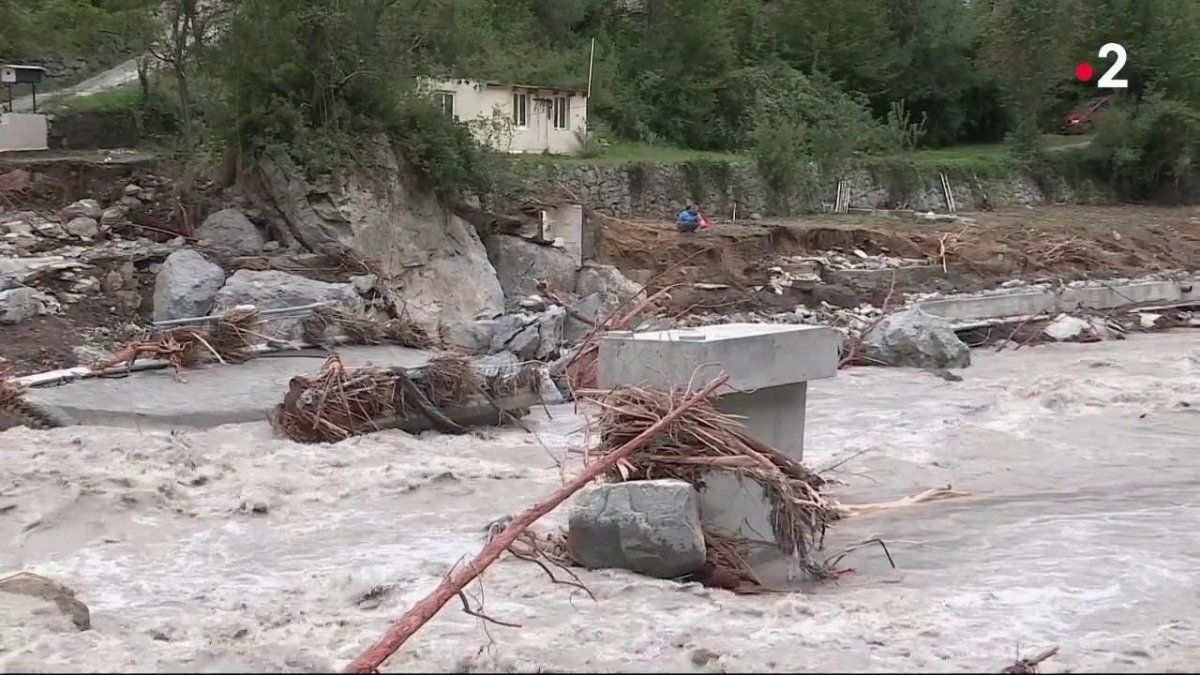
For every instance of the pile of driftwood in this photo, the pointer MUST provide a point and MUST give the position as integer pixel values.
(340, 402)
(702, 440)
(228, 338)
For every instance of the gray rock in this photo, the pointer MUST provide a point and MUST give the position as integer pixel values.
(469, 337)
(916, 339)
(230, 230)
(606, 281)
(591, 308)
(520, 264)
(114, 217)
(527, 343)
(550, 326)
(50, 229)
(272, 289)
(84, 208)
(131, 190)
(651, 527)
(506, 328)
(186, 286)
(130, 202)
(39, 587)
(22, 304)
(83, 227)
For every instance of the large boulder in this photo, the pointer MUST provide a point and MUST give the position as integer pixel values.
(530, 336)
(647, 526)
(230, 230)
(428, 257)
(916, 339)
(50, 591)
(272, 289)
(606, 281)
(186, 286)
(520, 264)
(469, 337)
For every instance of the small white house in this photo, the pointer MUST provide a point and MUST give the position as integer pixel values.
(516, 118)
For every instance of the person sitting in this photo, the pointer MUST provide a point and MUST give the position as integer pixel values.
(689, 219)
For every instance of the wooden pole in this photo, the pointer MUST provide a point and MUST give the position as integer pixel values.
(587, 129)
(419, 614)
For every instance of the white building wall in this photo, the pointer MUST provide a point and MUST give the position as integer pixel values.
(22, 131)
(488, 110)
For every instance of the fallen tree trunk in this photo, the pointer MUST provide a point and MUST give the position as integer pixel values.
(459, 577)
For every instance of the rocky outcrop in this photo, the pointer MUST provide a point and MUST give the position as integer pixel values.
(916, 339)
(520, 264)
(230, 230)
(647, 526)
(429, 258)
(186, 286)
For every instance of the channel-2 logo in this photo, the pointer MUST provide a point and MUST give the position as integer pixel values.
(1084, 71)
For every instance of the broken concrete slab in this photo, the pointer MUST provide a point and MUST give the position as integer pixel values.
(1065, 299)
(648, 526)
(213, 395)
(224, 394)
(769, 366)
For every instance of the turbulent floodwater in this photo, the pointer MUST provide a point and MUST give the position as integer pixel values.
(1084, 461)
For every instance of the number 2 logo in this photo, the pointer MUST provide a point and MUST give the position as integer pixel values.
(1108, 80)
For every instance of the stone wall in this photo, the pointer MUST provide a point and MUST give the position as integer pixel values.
(662, 190)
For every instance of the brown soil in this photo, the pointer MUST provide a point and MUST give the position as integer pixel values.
(1056, 242)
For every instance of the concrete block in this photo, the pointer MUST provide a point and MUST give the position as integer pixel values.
(651, 527)
(754, 355)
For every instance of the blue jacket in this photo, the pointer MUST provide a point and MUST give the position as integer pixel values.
(687, 218)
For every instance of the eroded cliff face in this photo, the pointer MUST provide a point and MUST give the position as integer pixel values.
(430, 260)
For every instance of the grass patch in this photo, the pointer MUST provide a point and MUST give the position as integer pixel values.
(124, 97)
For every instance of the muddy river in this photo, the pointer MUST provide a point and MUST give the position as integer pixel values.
(231, 550)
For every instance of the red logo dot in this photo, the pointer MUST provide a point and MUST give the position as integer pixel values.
(1084, 72)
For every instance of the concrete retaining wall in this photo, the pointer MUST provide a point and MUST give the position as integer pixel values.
(22, 131)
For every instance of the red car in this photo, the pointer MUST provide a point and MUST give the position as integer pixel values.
(1083, 120)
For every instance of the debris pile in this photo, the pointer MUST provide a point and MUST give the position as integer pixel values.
(447, 394)
(703, 440)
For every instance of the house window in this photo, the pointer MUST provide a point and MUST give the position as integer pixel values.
(562, 110)
(445, 101)
(520, 113)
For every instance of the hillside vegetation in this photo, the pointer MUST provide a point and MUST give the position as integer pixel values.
(803, 88)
